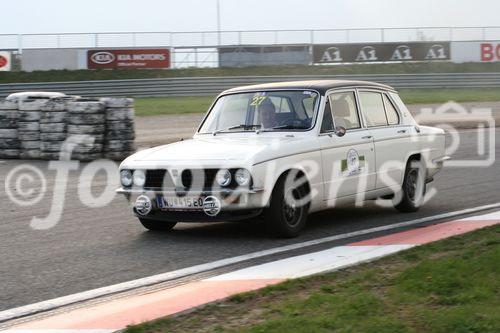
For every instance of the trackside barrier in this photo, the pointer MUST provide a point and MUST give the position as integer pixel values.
(192, 86)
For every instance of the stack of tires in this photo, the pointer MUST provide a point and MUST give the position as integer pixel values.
(9, 142)
(29, 127)
(52, 128)
(86, 129)
(120, 131)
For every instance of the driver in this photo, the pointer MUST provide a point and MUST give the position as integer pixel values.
(268, 115)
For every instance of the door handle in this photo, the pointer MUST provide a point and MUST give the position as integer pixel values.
(367, 137)
(402, 131)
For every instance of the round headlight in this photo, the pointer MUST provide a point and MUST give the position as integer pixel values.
(242, 177)
(139, 178)
(126, 177)
(223, 177)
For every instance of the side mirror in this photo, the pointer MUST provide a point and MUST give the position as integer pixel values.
(339, 131)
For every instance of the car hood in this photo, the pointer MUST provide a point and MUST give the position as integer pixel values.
(220, 150)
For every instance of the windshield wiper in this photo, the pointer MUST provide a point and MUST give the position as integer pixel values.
(292, 127)
(243, 126)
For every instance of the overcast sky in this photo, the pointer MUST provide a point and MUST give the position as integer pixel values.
(52, 16)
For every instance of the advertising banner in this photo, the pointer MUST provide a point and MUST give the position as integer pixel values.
(381, 52)
(264, 55)
(5, 61)
(475, 51)
(128, 58)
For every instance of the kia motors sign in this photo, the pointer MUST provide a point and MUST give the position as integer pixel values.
(5, 61)
(381, 52)
(128, 58)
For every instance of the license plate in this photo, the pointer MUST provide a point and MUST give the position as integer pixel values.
(179, 203)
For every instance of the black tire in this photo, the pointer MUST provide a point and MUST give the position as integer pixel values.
(120, 114)
(413, 188)
(8, 124)
(10, 144)
(28, 145)
(126, 125)
(120, 135)
(31, 154)
(54, 105)
(8, 105)
(85, 107)
(8, 133)
(49, 117)
(157, 225)
(29, 116)
(282, 218)
(29, 126)
(9, 115)
(117, 102)
(9, 153)
(85, 129)
(31, 104)
(53, 128)
(28, 136)
(86, 119)
(49, 137)
(118, 155)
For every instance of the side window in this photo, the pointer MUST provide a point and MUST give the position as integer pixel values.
(372, 107)
(344, 110)
(390, 111)
(327, 123)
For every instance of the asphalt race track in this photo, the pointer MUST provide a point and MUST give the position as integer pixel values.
(96, 247)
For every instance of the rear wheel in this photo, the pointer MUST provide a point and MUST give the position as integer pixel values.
(413, 189)
(287, 214)
(157, 225)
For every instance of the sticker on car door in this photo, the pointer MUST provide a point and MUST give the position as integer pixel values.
(353, 164)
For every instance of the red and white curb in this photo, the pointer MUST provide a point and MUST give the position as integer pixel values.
(117, 314)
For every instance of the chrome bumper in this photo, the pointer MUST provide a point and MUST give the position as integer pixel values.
(184, 192)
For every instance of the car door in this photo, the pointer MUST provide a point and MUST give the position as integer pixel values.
(392, 139)
(348, 162)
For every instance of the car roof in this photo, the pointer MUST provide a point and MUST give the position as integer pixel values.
(321, 86)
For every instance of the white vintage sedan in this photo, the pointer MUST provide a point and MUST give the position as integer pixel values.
(280, 151)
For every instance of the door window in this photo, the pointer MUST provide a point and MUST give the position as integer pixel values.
(372, 107)
(345, 113)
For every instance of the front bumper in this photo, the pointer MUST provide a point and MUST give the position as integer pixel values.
(236, 204)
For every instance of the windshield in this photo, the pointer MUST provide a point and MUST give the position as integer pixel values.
(262, 111)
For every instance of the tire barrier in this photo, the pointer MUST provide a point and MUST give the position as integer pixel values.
(84, 129)
(9, 141)
(53, 127)
(29, 127)
(86, 117)
(120, 132)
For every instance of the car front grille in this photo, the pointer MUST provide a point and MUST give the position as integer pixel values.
(204, 178)
(159, 178)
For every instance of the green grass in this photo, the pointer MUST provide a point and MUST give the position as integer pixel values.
(416, 96)
(448, 286)
(84, 75)
(200, 104)
(172, 105)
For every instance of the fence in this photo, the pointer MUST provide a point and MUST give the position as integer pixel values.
(200, 48)
(214, 85)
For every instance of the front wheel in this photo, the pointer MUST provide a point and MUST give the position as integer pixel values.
(287, 214)
(413, 189)
(157, 225)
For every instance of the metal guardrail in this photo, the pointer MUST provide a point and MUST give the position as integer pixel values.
(192, 86)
